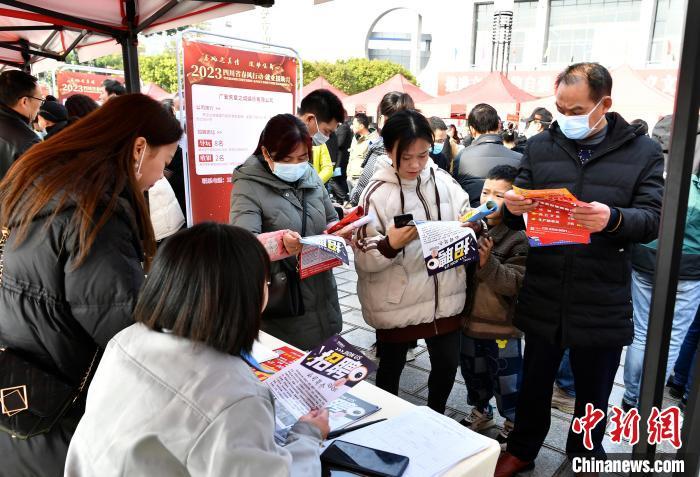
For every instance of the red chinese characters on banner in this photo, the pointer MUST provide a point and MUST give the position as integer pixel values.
(230, 94)
(585, 424)
(89, 84)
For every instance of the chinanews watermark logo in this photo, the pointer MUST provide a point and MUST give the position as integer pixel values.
(663, 426)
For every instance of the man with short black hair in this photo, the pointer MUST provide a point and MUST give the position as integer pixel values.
(110, 89)
(486, 151)
(578, 296)
(443, 151)
(321, 111)
(20, 100)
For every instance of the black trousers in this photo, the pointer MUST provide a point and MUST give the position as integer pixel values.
(339, 188)
(594, 375)
(444, 359)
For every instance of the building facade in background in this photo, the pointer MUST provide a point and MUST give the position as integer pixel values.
(448, 44)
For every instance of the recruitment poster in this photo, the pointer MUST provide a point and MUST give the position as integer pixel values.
(229, 96)
(69, 83)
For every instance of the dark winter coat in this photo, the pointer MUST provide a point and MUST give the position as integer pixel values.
(16, 136)
(486, 152)
(579, 295)
(261, 202)
(56, 315)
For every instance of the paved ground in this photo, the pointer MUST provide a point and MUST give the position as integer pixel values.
(414, 385)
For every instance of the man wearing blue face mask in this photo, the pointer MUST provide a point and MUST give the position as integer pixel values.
(578, 296)
(321, 111)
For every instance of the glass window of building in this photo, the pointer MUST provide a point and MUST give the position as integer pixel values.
(483, 26)
(668, 25)
(391, 38)
(582, 30)
(524, 29)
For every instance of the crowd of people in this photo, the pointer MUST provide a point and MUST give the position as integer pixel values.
(137, 334)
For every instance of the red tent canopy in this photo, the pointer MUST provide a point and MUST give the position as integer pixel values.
(322, 83)
(31, 30)
(495, 89)
(373, 96)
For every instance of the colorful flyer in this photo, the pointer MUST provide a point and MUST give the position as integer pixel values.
(446, 244)
(285, 356)
(552, 222)
(323, 375)
(320, 253)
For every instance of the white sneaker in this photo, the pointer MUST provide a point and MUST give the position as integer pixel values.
(479, 421)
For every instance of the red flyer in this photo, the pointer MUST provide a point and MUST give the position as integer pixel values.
(552, 222)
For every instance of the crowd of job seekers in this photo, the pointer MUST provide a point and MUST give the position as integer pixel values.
(134, 334)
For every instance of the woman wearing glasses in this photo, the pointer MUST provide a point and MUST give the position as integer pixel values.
(72, 265)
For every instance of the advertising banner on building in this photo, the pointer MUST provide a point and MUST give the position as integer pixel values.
(69, 83)
(230, 94)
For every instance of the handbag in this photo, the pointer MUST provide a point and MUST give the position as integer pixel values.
(284, 299)
(32, 399)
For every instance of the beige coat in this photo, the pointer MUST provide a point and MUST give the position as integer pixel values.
(161, 406)
(397, 292)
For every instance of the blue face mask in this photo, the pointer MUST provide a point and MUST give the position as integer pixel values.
(290, 172)
(576, 127)
(437, 147)
(319, 137)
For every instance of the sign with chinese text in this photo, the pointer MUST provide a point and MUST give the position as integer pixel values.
(446, 244)
(322, 376)
(552, 222)
(69, 83)
(230, 94)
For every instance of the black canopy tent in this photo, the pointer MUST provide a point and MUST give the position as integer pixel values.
(34, 30)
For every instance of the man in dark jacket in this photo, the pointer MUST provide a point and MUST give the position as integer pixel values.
(578, 296)
(20, 100)
(486, 152)
(339, 181)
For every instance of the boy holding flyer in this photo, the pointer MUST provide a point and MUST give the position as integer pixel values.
(491, 355)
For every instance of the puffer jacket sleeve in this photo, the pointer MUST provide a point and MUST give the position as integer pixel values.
(524, 180)
(368, 257)
(222, 449)
(506, 278)
(640, 221)
(245, 210)
(102, 291)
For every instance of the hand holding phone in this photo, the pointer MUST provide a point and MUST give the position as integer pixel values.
(403, 220)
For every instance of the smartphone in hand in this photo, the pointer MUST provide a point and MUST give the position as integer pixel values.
(401, 221)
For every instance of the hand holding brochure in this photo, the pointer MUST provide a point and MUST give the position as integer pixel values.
(552, 222)
(446, 244)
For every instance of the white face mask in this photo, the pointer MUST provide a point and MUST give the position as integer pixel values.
(576, 127)
(319, 137)
(532, 129)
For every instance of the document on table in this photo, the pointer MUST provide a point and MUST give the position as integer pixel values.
(433, 442)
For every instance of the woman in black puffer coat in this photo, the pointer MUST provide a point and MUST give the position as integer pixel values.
(80, 235)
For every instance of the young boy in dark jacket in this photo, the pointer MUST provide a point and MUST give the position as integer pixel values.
(491, 354)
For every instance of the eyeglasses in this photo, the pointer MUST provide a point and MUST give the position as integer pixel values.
(41, 100)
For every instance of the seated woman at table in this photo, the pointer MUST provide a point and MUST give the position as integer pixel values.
(175, 394)
(398, 297)
(276, 189)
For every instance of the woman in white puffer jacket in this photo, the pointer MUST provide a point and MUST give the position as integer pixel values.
(398, 297)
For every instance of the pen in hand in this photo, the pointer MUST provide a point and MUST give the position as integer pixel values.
(340, 432)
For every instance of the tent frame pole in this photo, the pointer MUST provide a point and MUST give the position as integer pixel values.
(671, 232)
(130, 54)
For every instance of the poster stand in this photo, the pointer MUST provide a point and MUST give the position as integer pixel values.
(228, 88)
